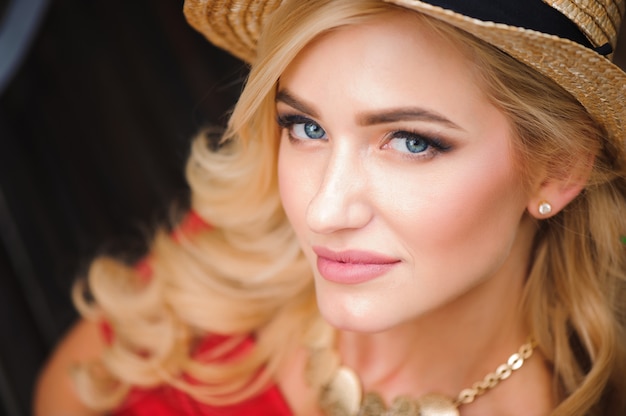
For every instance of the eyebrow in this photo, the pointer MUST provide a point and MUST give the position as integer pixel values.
(286, 97)
(405, 114)
(381, 117)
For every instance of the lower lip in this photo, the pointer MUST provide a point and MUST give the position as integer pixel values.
(351, 273)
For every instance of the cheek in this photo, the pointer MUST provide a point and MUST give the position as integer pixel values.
(468, 218)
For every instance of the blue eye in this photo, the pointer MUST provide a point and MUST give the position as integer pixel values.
(309, 130)
(409, 144)
(415, 144)
(301, 128)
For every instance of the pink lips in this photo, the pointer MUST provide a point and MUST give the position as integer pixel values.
(352, 266)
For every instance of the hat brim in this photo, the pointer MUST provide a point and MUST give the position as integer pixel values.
(597, 83)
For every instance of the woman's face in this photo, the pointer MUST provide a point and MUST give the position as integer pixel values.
(397, 175)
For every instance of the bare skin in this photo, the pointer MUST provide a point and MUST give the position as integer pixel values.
(55, 394)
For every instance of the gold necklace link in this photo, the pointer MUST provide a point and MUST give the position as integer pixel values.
(503, 372)
(343, 396)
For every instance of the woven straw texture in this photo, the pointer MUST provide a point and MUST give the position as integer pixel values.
(233, 25)
(600, 21)
(598, 84)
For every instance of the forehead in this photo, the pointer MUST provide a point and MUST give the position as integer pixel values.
(391, 60)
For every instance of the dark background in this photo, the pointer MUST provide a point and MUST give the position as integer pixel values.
(94, 132)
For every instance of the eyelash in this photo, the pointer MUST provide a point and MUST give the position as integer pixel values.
(287, 121)
(434, 144)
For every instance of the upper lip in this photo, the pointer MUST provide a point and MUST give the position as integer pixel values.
(354, 256)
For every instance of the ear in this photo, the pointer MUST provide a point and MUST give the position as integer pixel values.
(555, 191)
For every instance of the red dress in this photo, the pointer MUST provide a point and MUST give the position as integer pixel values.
(168, 401)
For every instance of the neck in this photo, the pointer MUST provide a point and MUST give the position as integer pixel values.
(444, 352)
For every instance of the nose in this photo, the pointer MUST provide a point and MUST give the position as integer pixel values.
(341, 200)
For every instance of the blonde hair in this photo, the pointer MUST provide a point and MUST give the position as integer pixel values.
(246, 276)
(576, 289)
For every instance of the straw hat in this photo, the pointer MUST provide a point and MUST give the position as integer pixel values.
(569, 41)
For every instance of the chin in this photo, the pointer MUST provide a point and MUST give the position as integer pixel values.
(351, 315)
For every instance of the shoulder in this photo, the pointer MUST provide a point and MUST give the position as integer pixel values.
(54, 392)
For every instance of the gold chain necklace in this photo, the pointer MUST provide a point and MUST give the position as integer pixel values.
(343, 395)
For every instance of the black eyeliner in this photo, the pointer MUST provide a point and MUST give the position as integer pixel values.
(288, 120)
(435, 142)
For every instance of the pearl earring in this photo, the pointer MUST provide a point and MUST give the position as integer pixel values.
(545, 208)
